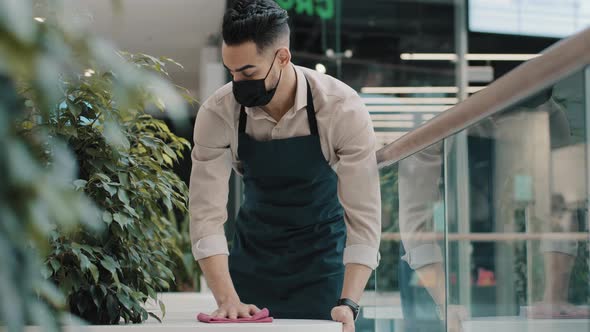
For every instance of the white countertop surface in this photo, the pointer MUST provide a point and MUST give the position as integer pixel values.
(187, 322)
(181, 316)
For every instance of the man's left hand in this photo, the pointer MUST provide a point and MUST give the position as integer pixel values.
(344, 315)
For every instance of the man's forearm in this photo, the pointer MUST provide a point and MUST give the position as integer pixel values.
(432, 277)
(558, 268)
(216, 272)
(355, 280)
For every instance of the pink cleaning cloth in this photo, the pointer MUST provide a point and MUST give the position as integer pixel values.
(263, 316)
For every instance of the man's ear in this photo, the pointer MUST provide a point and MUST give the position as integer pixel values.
(284, 56)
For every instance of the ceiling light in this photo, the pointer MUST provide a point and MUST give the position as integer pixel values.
(410, 101)
(470, 57)
(418, 89)
(405, 108)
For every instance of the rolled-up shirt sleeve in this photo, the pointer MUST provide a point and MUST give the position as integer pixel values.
(209, 189)
(358, 181)
(419, 179)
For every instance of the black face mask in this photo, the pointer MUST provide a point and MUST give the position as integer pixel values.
(252, 93)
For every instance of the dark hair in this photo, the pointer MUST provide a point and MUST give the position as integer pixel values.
(259, 21)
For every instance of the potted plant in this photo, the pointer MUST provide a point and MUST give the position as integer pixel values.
(88, 193)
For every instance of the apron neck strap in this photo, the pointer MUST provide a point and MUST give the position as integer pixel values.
(313, 124)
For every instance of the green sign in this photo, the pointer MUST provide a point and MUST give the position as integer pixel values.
(322, 8)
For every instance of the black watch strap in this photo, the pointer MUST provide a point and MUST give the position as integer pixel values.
(352, 305)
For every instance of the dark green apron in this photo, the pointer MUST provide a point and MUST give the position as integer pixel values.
(290, 234)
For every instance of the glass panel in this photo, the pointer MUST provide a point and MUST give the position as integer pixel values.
(492, 224)
(517, 216)
(411, 272)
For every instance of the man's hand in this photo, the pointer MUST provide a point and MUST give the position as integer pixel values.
(235, 309)
(344, 315)
(557, 310)
(456, 314)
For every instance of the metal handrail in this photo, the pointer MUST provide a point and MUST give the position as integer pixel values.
(558, 61)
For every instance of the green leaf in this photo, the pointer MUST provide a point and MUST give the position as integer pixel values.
(144, 314)
(162, 308)
(168, 160)
(124, 179)
(68, 131)
(163, 58)
(80, 184)
(124, 300)
(148, 142)
(122, 194)
(96, 298)
(131, 211)
(110, 264)
(113, 308)
(110, 189)
(107, 217)
(86, 265)
(122, 219)
(155, 317)
(164, 283)
(103, 177)
(73, 109)
(153, 59)
(55, 265)
(169, 152)
(151, 292)
(88, 249)
(167, 202)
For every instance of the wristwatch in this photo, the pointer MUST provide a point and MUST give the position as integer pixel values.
(352, 305)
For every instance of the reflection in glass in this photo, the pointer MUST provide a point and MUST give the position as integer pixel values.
(492, 224)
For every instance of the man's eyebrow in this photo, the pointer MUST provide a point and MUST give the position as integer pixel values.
(241, 68)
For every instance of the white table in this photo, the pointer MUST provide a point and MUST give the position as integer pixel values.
(181, 313)
(187, 322)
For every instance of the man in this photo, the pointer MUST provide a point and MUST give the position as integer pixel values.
(307, 234)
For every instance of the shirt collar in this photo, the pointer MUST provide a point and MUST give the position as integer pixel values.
(300, 99)
(301, 95)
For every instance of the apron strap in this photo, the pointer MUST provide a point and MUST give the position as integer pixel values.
(311, 119)
(243, 119)
(313, 123)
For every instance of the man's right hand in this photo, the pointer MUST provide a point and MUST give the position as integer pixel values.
(216, 271)
(235, 309)
(456, 315)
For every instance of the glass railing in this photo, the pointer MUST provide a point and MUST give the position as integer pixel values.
(485, 208)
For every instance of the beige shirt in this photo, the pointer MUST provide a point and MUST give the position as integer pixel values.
(347, 142)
